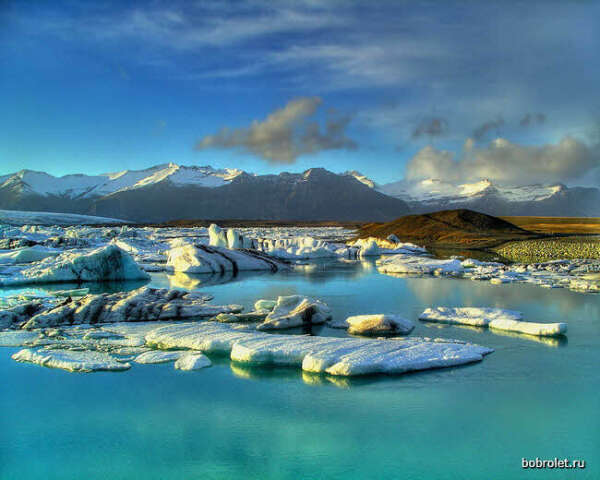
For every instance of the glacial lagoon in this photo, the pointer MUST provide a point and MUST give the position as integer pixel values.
(533, 397)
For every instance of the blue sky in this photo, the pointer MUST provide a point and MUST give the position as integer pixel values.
(105, 86)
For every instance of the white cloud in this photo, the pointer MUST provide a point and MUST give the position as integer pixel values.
(506, 162)
(285, 134)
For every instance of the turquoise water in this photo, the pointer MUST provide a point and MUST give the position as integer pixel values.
(528, 399)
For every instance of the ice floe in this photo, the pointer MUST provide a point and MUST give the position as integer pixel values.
(71, 360)
(494, 318)
(335, 356)
(474, 316)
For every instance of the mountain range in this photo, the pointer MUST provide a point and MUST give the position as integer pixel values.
(172, 192)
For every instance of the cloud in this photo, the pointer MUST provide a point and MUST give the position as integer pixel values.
(504, 162)
(431, 127)
(285, 134)
(532, 119)
(482, 130)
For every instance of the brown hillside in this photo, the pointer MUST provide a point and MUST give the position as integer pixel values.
(451, 228)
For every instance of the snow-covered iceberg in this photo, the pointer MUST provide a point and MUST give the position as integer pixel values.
(530, 328)
(103, 264)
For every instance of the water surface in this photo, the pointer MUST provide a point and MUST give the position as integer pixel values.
(530, 398)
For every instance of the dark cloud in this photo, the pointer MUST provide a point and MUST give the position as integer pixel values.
(285, 134)
(482, 130)
(532, 119)
(431, 127)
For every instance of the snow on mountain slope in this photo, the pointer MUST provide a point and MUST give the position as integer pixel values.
(87, 186)
(361, 178)
(433, 190)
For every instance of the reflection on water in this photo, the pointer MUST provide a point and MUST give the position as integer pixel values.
(560, 341)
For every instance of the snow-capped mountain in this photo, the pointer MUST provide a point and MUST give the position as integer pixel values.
(548, 200)
(169, 191)
(89, 186)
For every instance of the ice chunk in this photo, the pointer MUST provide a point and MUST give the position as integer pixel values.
(375, 325)
(157, 356)
(27, 255)
(216, 236)
(71, 360)
(102, 264)
(336, 356)
(530, 328)
(265, 305)
(413, 264)
(294, 311)
(192, 361)
(199, 258)
(496, 318)
(17, 338)
(474, 316)
(141, 305)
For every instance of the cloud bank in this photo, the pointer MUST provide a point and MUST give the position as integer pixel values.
(505, 162)
(285, 134)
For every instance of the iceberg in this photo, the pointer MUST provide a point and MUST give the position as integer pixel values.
(331, 355)
(295, 311)
(494, 318)
(379, 325)
(71, 360)
(27, 255)
(420, 265)
(198, 258)
(103, 264)
(141, 305)
(474, 316)
(530, 328)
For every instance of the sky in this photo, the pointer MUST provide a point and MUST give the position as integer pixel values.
(458, 90)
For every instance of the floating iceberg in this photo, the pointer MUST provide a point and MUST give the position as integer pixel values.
(189, 258)
(474, 316)
(295, 311)
(335, 356)
(142, 305)
(420, 265)
(530, 328)
(373, 246)
(71, 360)
(379, 325)
(27, 255)
(103, 264)
(495, 318)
